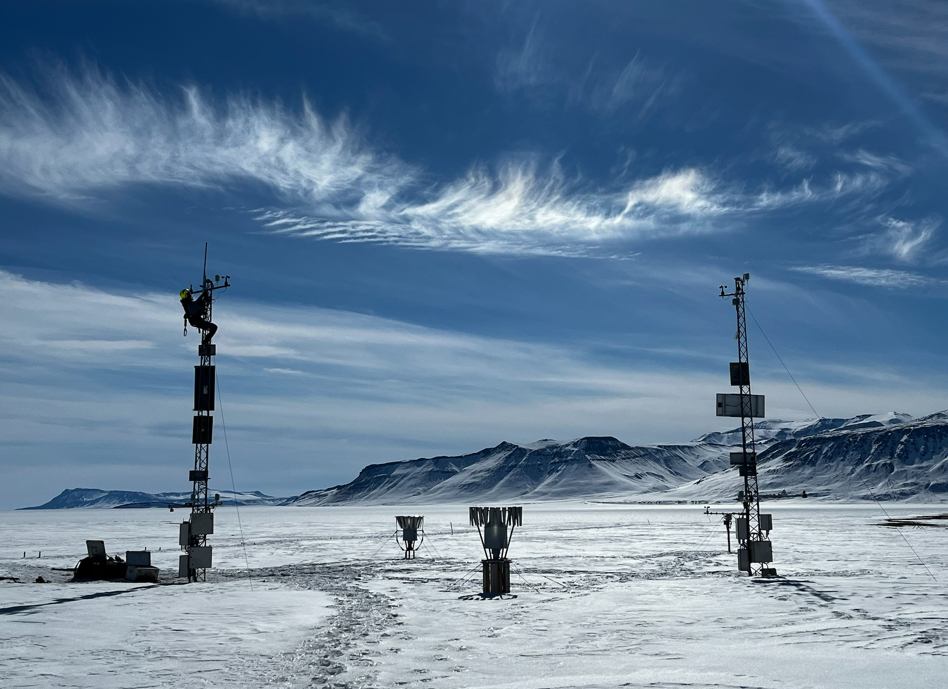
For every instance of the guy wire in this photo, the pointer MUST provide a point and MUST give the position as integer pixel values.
(783, 364)
(233, 483)
(862, 480)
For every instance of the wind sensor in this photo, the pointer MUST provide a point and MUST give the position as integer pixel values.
(495, 527)
(755, 550)
(193, 533)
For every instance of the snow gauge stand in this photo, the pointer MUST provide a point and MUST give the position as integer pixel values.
(755, 550)
(194, 532)
(492, 526)
(410, 528)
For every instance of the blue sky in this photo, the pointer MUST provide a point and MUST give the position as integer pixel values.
(455, 225)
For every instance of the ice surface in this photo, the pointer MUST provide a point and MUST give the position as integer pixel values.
(606, 596)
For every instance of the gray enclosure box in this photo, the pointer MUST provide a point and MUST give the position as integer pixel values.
(95, 548)
(761, 551)
(138, 558)
(183, 566)
(740, 528)
(204, 388)
(202, 524)
(737, 458)
(743, 563)
(184, 534)
(202, 430)
(200, 557)
(740, 373)
(135, 573)
(728, 404)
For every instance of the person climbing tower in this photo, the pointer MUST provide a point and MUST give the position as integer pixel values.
(195, 311)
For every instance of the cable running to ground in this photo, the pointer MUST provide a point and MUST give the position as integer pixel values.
(384, 543)
(863, 481)
(783, 364)
(431, 549)
(233, 484)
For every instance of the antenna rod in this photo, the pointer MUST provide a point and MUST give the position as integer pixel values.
(205, 265)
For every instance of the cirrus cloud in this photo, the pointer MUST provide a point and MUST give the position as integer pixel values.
(80, 136)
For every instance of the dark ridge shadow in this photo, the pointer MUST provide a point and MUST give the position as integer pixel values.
(801, 586)
(15, 609)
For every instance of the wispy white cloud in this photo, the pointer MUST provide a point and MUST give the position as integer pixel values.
(872, 277)
(883, 163)
(88, 135)
(902, 239)
(836, 185)
(311, 395)
(519, 209)
(802, 148)
(639, 86)
(910, 35)
(526, 66)
(339, 14)
(292, 375)
(334, 368)
(829, 20)
(794, 158)
(837, 134)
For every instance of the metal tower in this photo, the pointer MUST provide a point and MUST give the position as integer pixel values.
(753, 528)
(194, 532)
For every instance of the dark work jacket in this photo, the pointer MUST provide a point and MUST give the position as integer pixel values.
(194, 307)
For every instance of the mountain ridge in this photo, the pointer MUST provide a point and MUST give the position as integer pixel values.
(97, 498)
(890, 456)
(603, 467)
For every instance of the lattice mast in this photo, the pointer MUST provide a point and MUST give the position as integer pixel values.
(194, 532)
(753, 529)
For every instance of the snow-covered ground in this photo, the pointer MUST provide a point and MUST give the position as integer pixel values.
(605, 596)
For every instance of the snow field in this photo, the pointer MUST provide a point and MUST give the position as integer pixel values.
(124, 636)
(606, 596)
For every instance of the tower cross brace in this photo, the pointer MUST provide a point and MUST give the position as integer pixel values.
(755, 551)
(194, 532)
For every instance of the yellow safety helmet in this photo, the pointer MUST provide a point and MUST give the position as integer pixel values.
(185, 293)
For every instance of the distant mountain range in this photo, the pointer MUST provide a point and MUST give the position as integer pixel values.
(93, 497)
(885, 456)
(890, 456)
(893, 457)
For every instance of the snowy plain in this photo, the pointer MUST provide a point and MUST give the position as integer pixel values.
(605, 595)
